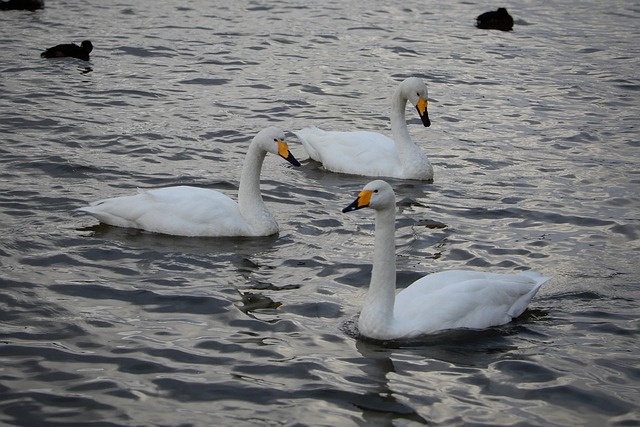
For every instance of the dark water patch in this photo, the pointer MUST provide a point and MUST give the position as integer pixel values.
(179, 357)
(310, 263)
(146, 52)
(432, 224)
(542, 217)
(372, 402)
(57, 167)
(402, 51)
(521, 371)
(255, 326)
(44, 325)
(490, 164)
(69, 410)
(206, 82)
(129, 93)
(236, 249)
(49, 260)
(154, 302)
(180, 27)
(309, 230)
(464, 347)
(620, 369)
(319, 309)
(307, 368)
(260, 8)
(368, 28)
(627, 230)
(182, 156)
(607, 328)
(573, 397)
(30, 123)
(213, 392)
(259, 86)
(228, 62)
(629, 87)
(460, 255)
(98, 385)
(501, 251)
(582, 295)
(356, 275)
(218, 346)
(285, 40)
(40, 356)
(111, 259)
(227, 136)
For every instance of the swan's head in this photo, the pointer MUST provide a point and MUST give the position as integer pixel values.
(271, 140)
(415, 91)
(376, 195)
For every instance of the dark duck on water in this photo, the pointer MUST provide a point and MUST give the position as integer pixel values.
(71, 50)
(31, 5)
(495, 20)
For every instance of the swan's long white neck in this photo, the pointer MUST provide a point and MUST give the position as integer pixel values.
(377, 311)
(252, 207)
(410, 155)
(398, 120)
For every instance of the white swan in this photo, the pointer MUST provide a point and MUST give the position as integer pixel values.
(373, 154)
(193, 211)
(445, 300)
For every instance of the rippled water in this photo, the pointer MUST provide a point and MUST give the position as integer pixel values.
(535, 147)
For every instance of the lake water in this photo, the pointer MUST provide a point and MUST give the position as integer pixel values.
(535, 146)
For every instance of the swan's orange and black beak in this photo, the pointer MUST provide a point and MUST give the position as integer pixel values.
(422, 110)
(362, 201)
(283, 151)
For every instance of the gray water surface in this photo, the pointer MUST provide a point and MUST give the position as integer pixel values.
(535, 146)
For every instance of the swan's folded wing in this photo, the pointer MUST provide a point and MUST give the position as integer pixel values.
(187, 211)
(465, 299)
(358, 153)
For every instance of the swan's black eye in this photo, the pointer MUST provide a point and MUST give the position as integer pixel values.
(418, 93)
(375, 191)
(275, 139)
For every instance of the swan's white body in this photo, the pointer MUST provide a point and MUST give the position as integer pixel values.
(373, 154)
(446, 300)
(193, 211)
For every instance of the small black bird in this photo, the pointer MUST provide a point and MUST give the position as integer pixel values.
(495, 20)
(71, 50)
(22, 5)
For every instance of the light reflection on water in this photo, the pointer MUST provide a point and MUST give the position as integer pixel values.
(533, 142)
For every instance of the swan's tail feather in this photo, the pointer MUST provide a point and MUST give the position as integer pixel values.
(520, 305)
